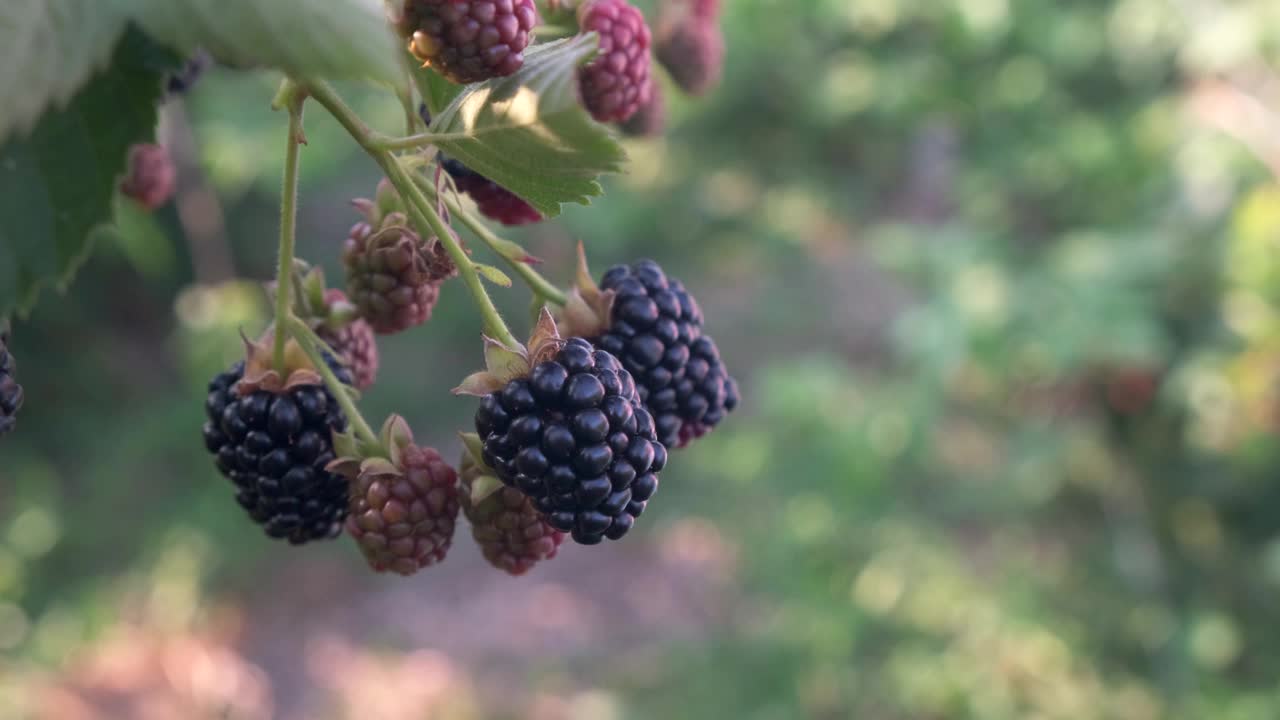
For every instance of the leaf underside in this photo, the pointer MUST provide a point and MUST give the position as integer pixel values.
(529, 133)
(336, 39)
(56, 185)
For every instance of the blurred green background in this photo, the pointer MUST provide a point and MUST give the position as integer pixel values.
(999, 279)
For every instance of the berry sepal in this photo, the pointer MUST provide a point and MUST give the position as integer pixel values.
(504, 363)
(260, 372)
(513, 536)
(588, 309)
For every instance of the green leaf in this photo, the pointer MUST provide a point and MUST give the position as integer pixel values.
(528, 132)
(310, 38)
(436, 91)
(56, 186)
(51, 47)
(493, 275)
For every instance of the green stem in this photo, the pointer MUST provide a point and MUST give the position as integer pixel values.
(291, 98)
(540, 286)
(303, 335)
(414, 142)
(423, 213)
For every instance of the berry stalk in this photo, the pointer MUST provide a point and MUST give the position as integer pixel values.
(291, 98)
(307, 340)
(421, 212)
(503, 248)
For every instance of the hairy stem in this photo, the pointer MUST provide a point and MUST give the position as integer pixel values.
(292, 99)
(414, 142)
(504, 249)
(421, 212)
(306, 340)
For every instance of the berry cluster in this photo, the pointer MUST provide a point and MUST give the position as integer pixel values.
(574, 437)
(572, 434)
(274, 444)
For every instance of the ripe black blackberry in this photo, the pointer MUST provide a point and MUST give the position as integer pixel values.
(274, 446)
(573, 436)
(10, 390)
(655, 329)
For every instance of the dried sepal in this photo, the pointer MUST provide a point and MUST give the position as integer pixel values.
(587, 311)
(260, 372)
(545, 341)
(504, 363)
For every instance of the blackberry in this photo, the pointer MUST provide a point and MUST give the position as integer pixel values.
(616, 83)
(10, 390)
(355, 344)
(494, 201)
(150, 177)
(184, 78)
(274, 446)
(403, 512)
(393, 275)
(655, 329)
(469, 41)
(651, 119)
(573, 436)
(513, 536)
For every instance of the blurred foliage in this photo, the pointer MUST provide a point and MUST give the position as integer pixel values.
(1000, 278)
